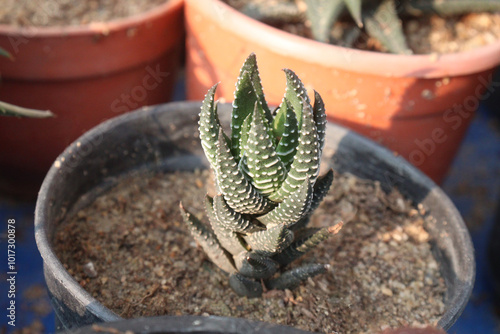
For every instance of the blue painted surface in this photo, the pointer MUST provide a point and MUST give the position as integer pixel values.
(473, 184)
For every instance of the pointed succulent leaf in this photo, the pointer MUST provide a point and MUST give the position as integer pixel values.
(307, 158)
(245, 130)
(7, 109)
(227, 238)
(382, 22)
(263, 165)
(292, 278)
(270, 241)
(305, 244)
(322, 14)
(451, 7)
(209, 126)
(320, 119)
(248, 92)
(244, 286)
(239, 194)
(256, 266)
(288, 134)
(296, 94)
(321, 188)
(208, 241)
(354, 7)
(292, 208)
(230, 219)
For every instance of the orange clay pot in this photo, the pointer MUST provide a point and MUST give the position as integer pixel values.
(419, 106)
(84, 75)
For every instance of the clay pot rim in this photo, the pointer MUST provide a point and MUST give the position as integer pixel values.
(91, 28)
(361, 61)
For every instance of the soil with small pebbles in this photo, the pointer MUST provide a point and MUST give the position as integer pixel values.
(131, 251)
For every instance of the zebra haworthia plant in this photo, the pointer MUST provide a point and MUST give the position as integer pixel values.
(268, 184)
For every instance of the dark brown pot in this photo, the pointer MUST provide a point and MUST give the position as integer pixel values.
(83, 74)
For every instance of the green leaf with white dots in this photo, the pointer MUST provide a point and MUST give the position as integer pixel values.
(208, 241)
(305, 244)
(248, 92)
(230, 219)
(263, 165)
(307, 158)
(270, 241)
(238, 192)
(292, 208)
(295, 94)
(227, 238)
(288, 134)
(253, 265)
(208, 126)
(320, 119)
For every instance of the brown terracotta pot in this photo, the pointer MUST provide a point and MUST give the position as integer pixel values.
(84, 75)
(419, 106)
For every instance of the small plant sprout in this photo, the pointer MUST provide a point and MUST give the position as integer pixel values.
(268, 184)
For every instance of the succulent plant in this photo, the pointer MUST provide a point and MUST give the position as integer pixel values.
(7, 109)
(267, 175)
(379, 18)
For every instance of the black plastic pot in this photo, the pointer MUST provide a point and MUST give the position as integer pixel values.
(165, 137)
(187, 324)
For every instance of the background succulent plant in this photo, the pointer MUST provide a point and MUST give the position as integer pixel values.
(7, 109)
(267, 173)
(379, 18)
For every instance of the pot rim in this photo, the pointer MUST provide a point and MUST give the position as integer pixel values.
(59, 273)
(361, 61)
(91, 28)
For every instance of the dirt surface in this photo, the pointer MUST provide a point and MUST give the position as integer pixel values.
(425, 35)
(42, 13)
(132, 252)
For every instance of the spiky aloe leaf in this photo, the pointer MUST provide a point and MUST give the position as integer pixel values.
(253, 265)
(452, 7)
(270, 241)
(320, 119)
(248, 92)
(7, 109)
(208, 241)
(263, 165)
(292, 208)
(307, 158)
(286, 129)
(227, 238)
(354, 7)
(239, 194)
(296, 94)
(305, 244)
(244, 286)
(322, 14)
(292, 278)
(382, 22)
(209, 126)
(230, 219)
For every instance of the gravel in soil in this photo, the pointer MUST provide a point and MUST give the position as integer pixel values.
(132, 252)
(42, 13)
